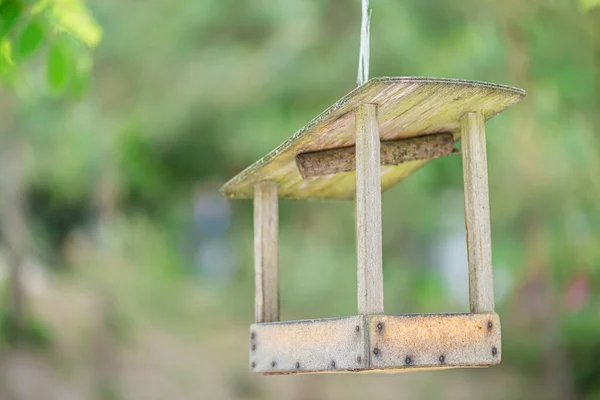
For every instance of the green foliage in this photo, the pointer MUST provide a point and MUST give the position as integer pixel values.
(190, 93)
(29, 40)
(9, 14)
(63, 29)
(6, 58)
(35, 332)
(72, 17)
(59, 66)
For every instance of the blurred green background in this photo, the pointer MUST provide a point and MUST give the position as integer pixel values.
(125, 275)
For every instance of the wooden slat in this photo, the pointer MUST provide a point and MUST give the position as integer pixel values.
(368, 211)
(434, 340)
(393, 152)
(408, 107)
(266, 226)
(477, 213)
(332, 344)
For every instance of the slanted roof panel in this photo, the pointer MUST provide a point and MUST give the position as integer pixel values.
(407, 106)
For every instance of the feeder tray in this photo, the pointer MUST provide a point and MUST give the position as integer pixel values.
(369, 140)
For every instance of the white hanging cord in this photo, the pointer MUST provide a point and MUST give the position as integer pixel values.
(365, 31)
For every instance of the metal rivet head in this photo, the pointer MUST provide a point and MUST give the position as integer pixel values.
(253, 347)
(359, 359)
(297, 365)
(380, 327)
(273, 364)
(490, 325)
(494, 350)
(408, 360)
(252, 335)
(357, 329)
(375, 351)
(442, 358)
(253, 365)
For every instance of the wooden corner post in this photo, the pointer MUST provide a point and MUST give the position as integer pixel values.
(368, 211)
(477, 213)
(266, 226)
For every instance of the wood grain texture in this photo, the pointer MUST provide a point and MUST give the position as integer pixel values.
(266, 227)
(376, 343)
(330, 344)
(408, 107)
(368, 212)
(393, 152)
(434, 340)
(477, 213)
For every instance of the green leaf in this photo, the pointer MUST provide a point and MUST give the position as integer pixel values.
(72, 17)
(9, 14)
(29, 40)
(6, 60)
(40, 6)
(59, 66)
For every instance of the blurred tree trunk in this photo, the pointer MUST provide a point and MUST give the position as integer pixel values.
(104, 351)
(12, 228)
(107, 194)
(14, 231)
(106, 343)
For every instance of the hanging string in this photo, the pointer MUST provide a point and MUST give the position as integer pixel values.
(364, 53)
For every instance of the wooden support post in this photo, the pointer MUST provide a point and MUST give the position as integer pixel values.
(368, 211)
(477, 213)
(266, 225)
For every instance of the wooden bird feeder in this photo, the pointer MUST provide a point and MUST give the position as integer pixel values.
(369, 140)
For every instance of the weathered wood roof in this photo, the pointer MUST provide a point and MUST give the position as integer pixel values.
(408, 107)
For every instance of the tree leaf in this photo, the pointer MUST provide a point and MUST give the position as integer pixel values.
(29, 40)
(40, 6)
(59, 66)
(6, 60)
(72, 17)
(10, 11)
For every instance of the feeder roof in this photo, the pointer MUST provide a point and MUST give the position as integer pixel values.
(407, 107)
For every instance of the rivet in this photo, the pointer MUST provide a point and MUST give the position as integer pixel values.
(297, 365)
(273, 364)
(408, 360)
(253, 347)
(380, 327)
(357, 329)
(442, 358)
(359, 359)
(333, 364)
(494, 350)
(252, 335)
(253, 364)
(490, 325)
(376, 351)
